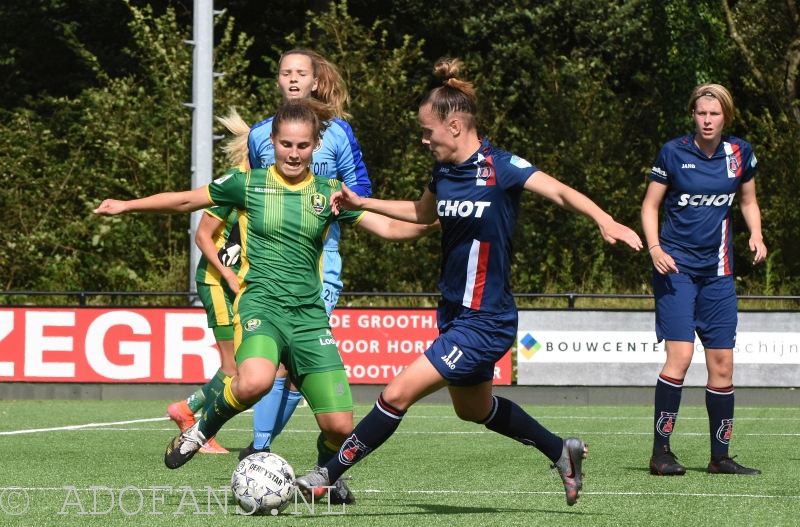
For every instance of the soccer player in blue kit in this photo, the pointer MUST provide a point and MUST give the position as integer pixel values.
(306, 74)
(697, 177)
(474, 191)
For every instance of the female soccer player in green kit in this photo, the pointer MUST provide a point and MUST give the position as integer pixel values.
(280, 316)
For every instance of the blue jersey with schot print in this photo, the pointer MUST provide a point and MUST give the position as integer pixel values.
(698, 206)
(478, 204)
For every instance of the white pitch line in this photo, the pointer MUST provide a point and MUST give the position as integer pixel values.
(78, 427)
(583, 493)
(491, 493)
(107, 427)
(88, 425)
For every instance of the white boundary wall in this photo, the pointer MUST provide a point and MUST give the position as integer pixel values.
(619, 348)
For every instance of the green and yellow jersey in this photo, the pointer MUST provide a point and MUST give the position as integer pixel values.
(282, 229)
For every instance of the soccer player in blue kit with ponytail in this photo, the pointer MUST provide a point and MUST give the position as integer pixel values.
(697, 177)
(474, 191)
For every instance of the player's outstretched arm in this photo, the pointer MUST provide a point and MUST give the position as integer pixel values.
(570, 199)
(164, 203)
(752, 217)
(395, 230)
(422, 211)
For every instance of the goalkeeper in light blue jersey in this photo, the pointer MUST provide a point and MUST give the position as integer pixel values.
(304, 73)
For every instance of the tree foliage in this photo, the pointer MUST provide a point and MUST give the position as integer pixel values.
(587, 91)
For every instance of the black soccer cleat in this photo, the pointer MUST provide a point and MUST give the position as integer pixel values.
(341, 495)
(665, 463)
(251, 449)
(726, 465)
(183, 447)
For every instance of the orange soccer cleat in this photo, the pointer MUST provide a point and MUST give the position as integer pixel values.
(212, 447)
(181, 414)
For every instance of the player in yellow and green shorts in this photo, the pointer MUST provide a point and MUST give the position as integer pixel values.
(217, 286)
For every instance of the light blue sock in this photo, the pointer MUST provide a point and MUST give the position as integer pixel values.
(265, 415)
(289, 402)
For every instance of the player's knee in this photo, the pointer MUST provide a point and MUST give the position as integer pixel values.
(396, 397)
(470, 414)
(250, 387)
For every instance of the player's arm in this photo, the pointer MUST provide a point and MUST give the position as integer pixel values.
(752, 217)
(570, 199)
(208, 227)
(396, 230)
(164, 203)
(350, 163)
(663, 262)
(422, 211)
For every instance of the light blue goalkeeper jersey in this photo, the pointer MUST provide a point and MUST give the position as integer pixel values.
(338, 156)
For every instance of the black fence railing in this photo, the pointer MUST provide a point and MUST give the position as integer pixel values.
(571, 298)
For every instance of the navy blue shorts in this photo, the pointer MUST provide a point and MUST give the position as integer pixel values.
(470, 342)
(686, 304)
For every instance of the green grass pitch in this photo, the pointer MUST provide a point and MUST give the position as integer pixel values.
(436, 470)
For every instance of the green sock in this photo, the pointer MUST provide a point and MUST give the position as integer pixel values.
(219, 410)
(197, 399)
(209, 390)
(325, 451)
(214, 387)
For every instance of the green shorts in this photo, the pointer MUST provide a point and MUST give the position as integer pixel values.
(302, 334)
(218, 302)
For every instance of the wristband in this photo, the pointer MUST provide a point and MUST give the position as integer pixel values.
(651, 248)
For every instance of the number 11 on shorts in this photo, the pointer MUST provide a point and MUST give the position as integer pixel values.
(449, 360)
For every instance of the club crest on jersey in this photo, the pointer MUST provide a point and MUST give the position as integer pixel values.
(252, 324)
(724, 431)
(733, 164)
(485, 173)
(318, 202)
(319, 145)
(666, 423)
(732, 159)
(352, 451)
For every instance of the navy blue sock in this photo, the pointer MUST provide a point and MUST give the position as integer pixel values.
(370, 433)
(668, 401)
(508, 419)
(719, 403)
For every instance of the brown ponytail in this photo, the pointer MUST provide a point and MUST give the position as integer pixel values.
(455, 96)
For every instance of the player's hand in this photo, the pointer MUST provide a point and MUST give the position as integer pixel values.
(613, 232)
(345, 199)
(110, 207)
(758, 247)
(232, 281)
(663, 262)
(229, 254)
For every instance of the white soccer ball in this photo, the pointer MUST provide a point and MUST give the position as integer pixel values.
(263, 483)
